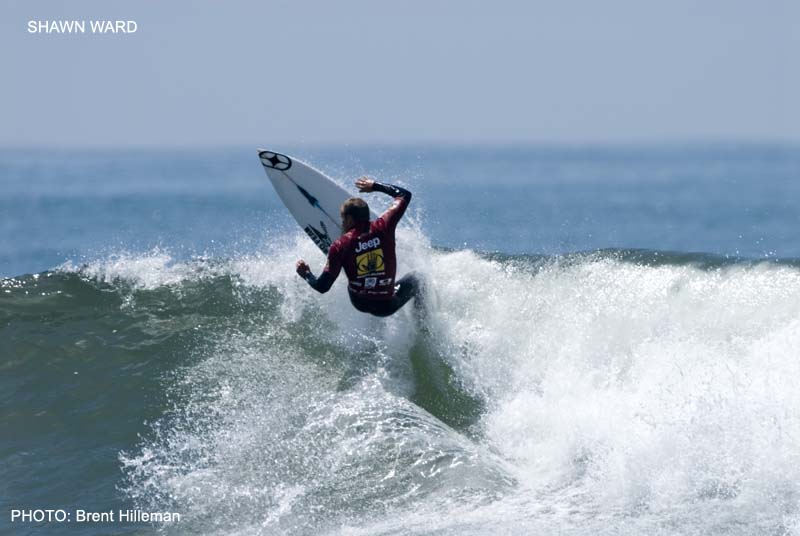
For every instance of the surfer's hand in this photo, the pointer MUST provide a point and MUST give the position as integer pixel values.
(365, 184)
(302, 268)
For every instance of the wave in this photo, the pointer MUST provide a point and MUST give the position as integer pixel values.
(613, 391)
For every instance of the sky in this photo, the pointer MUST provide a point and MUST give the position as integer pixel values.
(210, 73)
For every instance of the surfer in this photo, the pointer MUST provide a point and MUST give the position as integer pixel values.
(366, 251)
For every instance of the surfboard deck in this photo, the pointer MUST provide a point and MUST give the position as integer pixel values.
(312, 198)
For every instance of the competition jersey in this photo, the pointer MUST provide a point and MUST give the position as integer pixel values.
(367, 252)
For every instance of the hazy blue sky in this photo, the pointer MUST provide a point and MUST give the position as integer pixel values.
(258, 72)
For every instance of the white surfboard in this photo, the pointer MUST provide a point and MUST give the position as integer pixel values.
(312, 198)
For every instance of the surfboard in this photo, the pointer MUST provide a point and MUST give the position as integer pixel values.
(311, 197)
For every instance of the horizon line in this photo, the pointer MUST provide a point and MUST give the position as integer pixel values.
(687, 143)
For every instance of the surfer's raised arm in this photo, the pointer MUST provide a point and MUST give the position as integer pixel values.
(402, 198)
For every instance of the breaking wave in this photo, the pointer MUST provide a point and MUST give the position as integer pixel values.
(607, 392)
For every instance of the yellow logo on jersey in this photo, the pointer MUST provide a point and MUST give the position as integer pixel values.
(370, 262)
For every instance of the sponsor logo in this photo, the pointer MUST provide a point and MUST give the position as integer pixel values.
(368, 244)
(370, 282)
(320, 238)
(370, 262)
(385, 282)
(278, 161)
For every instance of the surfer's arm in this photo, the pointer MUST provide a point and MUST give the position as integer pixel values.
(395, 191)
(323, 283)
(366, 185)
(402, 198)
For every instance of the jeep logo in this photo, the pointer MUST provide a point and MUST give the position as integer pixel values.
(369, 244)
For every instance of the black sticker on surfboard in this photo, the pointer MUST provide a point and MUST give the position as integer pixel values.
(278, 161)
(320, 238)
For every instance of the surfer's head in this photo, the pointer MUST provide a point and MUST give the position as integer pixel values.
(354, 211)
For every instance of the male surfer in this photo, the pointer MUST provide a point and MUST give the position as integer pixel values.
(366, 251)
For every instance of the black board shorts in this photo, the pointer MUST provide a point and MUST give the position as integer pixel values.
(407, 287)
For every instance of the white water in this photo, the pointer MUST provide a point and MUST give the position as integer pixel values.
(619, 398)
(663, 397)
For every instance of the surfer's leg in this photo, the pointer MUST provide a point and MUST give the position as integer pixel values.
(409, 286)
(419, 290)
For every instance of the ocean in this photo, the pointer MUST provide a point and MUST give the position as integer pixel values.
(611, 346)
